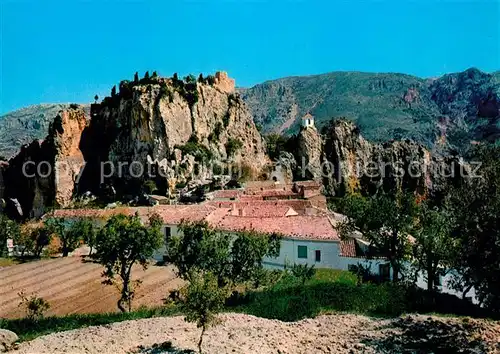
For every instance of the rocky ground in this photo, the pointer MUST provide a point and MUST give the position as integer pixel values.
(238, 333)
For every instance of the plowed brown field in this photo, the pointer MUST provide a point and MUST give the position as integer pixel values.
(73, 286)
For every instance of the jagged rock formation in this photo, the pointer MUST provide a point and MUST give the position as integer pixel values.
(346, 162)
(44, 172)
(172, 129)
(310, 151)
(21, 127)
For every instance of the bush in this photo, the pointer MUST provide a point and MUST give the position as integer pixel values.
(303, 272)
(232, 146)
(200, 152)
(35, 306)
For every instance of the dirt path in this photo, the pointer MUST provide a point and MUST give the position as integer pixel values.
(238, 333)
(72, 286)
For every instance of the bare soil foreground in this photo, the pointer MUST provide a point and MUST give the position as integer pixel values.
(238, 333)
(73, 286)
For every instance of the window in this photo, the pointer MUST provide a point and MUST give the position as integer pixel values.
(302, 252)
(168, 232)
(384, 270)
(318, 255)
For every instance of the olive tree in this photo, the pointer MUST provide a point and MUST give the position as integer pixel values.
(386, 220)
(123, 242)
(67, 235)
(234, 257)
(203, 298)
(433, 246)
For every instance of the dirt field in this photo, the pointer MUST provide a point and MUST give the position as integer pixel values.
(72, 286)
(238, 333)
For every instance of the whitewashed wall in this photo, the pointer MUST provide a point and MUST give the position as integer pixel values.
(159, 253)
(330, 256)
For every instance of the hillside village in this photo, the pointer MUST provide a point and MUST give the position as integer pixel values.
(298, 231)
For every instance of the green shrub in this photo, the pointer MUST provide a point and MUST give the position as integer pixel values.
(303, 272)
(232, 146)
(35, 306)
(225, 119)
(200, 152)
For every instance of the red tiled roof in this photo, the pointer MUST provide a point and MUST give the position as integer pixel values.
(227, 193)
(175, 214)
(90, 213)
(302, 227)
(262, 210)
(348, 248)
(278, 193)
(299, 205)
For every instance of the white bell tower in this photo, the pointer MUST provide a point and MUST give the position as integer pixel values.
(308, 121)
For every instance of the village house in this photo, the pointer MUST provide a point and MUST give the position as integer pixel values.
(308, 233)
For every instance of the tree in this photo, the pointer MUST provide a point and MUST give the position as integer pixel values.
(113, 91)
(475, 206)
(247, 252)
(199, 247)
(154, 75)
(386, 221)
(433, 245)
(24, 240)
(136, 78)
(234, 258)
(9, 229)
(202, 300)
(41, 237)
(96, 97)
(68, 235)
(146, 75)
(84, 229)
(123, 242)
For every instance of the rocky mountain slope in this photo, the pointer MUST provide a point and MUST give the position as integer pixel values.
(155, 131)
(344, 161)
(27, 124)
(448, 111)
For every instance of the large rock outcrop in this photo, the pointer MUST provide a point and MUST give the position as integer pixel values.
(165, 131)
(169, 130)
(310, 151)
(44, 172)
(349, 163)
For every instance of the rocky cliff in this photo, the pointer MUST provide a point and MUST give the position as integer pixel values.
(347, 162)
(168, 131)
(44, 172)
(154, 133)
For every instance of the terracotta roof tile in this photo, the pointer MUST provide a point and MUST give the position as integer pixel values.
(301, 227)
(348, 248)
(227, 193)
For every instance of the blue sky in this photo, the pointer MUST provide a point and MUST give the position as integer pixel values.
(67, 51)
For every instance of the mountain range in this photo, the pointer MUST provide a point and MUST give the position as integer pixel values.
(446, 113)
